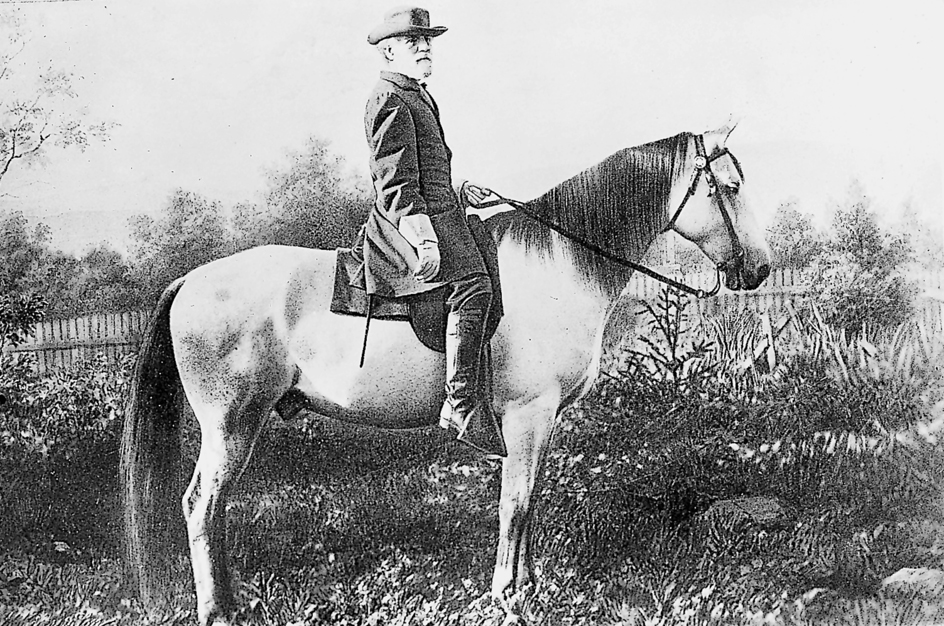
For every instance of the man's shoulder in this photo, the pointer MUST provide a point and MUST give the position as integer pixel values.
(386, 89)
(387, 93)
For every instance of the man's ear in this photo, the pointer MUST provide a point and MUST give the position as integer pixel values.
(384, 49)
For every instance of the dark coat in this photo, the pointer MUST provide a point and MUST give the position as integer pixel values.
(410, 165)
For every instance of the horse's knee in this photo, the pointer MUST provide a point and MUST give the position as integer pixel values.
(515, 518)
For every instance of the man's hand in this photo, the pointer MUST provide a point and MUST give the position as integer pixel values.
(428, 266)
(476, 195)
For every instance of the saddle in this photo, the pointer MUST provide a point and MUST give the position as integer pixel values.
(426, 311)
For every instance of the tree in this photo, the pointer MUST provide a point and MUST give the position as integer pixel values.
(925, 237)
(858, 235)
(37, 106)
(100, 281)
(309, 204)
(24, 250)
(857, 280)
(793, 240)
(190, 232)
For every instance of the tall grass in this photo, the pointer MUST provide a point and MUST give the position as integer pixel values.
(643, 515)
(834, 434)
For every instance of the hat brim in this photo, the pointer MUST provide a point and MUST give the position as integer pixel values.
(385, 31)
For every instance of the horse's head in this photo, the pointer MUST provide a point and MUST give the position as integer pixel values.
(717, 213)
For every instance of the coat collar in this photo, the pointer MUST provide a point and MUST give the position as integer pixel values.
(400, 80)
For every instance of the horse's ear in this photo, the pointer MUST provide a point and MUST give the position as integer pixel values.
(730, 125)
(726, 129)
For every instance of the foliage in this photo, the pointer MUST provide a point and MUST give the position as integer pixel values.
(670, 360)
(850, 296)
(58, 441)
(334, 524)
(793, 240)
(190, 232)
(827, 423)
(24, 251)
(308, 204)
(925, 236)
(18, 314)
(100, 280)
(37, 106)
(858, 279)
(858, 235)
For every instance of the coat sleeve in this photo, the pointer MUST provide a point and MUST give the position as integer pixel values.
(393, 160)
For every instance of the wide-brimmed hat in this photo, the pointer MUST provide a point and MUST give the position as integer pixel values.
(404, 21)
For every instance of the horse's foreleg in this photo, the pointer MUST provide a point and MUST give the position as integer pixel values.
(224, 454)
(527, 431)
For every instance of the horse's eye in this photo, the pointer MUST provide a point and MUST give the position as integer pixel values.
(734, 186)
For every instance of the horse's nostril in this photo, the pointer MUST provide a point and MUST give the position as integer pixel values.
(762, 273)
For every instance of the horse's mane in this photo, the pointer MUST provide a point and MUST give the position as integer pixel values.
(619, 205)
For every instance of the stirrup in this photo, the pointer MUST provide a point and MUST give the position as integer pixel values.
(478, 429)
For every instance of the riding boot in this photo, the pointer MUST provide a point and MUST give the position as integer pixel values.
(485, 422)
(465, 408)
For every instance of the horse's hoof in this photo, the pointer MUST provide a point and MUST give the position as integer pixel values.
(512, 620)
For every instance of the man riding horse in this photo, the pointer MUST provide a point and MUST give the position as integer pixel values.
(416, 238)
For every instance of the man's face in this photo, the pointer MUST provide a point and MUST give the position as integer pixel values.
(411, 56)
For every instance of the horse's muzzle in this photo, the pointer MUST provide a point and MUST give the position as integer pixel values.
(743, 277)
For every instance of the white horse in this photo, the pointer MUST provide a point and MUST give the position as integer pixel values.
(237, 334)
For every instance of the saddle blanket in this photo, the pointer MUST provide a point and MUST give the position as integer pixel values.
(426, 311)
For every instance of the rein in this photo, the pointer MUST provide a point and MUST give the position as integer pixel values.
(702, 167)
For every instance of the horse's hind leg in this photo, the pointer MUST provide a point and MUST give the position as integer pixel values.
(527, 431)
(227, 440)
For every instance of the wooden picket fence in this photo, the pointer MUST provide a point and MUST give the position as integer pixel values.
(780, 288)
(783, 289)
(62, 343)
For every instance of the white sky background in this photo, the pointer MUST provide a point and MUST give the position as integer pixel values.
(209, 94)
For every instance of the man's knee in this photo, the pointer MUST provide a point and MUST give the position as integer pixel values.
(471, 289)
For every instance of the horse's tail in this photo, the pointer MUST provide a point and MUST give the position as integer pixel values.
(150, 464)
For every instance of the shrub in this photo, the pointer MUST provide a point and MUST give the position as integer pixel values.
(850, 296)
(59, 454)
(858, 279)
(831, 424)
(18, 314)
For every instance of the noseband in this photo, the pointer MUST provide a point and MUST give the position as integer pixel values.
(702, 170)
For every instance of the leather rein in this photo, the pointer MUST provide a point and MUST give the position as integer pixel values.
(702, 170)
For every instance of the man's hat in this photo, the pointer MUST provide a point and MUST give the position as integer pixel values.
(404, 21)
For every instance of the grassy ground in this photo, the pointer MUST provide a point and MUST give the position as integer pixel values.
(341, 526)
(338, 525)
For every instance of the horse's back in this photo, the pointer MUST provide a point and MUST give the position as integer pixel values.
(253, 281)
(242, 303)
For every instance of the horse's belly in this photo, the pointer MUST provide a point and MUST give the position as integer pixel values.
(399, 386)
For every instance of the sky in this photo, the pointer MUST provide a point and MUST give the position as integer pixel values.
(210, 95)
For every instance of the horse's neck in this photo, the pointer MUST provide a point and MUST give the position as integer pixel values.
(555, 292)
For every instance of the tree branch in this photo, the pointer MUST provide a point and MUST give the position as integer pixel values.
(6, 165)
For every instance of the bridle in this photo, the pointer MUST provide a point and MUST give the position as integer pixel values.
(702, 170)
